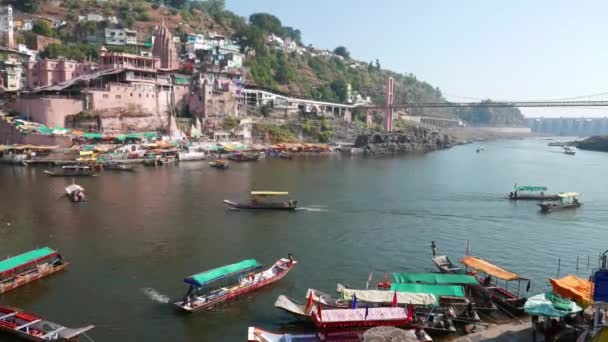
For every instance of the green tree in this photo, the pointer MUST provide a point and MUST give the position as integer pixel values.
(250, 38)
(179, 4)
(294, 34)
(29, 6)
(342, 51)
(340, 88)
(266, 22)
(42, 27)
(378, 68)
(284, 73)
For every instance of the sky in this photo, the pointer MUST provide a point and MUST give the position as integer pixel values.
(470, 49)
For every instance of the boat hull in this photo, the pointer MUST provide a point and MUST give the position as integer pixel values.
(23, 280)
(549, 207)
(534, 197)
(238, 293)
(260, 207)
(68, 174)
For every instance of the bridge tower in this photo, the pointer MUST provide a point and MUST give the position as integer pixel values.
(388, 115)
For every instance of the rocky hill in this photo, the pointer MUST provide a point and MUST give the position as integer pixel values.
(596, 143)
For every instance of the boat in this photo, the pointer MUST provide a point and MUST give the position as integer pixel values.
(28, 267)
(488, 288)
(480, 149)
(219, 164)
(445, 265)
(191, 155)
(72, 171)
(32, 327)
(531, 192)
(367, 317)
(255, 334)
(569, 150)
(266, 200)
(244, 157)
(116, 166)
(219, 285)
(557, 143)
(568, 200)
(75, 193)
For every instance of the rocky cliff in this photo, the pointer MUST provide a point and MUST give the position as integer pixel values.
(596, 143)
(411, 139)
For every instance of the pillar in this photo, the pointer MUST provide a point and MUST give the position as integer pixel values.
(388, 116)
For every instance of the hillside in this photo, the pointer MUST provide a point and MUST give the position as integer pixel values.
(303, 72)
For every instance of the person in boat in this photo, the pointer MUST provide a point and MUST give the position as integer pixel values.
(488, 280)
(469, 311)
(575, 200)
(434, 247)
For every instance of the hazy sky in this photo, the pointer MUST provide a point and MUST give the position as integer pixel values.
(500, 49)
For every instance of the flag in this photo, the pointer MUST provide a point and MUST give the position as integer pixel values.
(410, 311)
(355, 301)
(319, 312)
(366, 311)
(394, 303)
(371, 275)
(309, 303)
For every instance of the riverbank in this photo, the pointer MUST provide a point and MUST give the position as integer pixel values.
(512, 332)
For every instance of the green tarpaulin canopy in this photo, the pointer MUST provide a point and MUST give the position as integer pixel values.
(434, 278)
(24, 258)
(222, 272)
(92, 135)
(531, 188)
(45, 130)
(437, 290)
(550, 305)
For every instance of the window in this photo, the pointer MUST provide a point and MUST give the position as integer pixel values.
(117, 96)
(105, 96)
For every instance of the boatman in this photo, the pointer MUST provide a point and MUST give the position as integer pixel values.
(434, 247)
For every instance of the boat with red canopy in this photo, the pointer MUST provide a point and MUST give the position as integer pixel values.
(218, 285)
(32, 327)
(362, 317)
(27, 267)
(255, 334)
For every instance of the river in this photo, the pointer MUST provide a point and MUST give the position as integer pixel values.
(140, 234)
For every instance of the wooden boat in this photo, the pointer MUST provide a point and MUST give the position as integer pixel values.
(285, 155)
(260, 335)
(219, 285)
(557, 143)
(75, 193)
(32, 327)
(72, 171)
(266, 200)
(28, 267)
(367, 317)
(568, 200)
(569, 150)
(114, 166)
(445, 265)
(244, 157)
(507, 301)
(219, 164)
(528, 192)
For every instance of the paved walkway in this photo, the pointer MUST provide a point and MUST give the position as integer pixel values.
(503, 333)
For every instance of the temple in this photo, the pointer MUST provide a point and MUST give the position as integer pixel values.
(164, 49)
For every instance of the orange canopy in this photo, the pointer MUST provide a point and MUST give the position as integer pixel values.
(573, 287)
(491, 269)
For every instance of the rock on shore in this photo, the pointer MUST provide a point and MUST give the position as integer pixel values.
(411, 139)
(596, 143)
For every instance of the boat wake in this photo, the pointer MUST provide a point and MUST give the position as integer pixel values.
(155, 295)
(311, 209)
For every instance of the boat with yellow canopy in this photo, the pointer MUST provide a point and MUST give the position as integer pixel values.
(274, 200)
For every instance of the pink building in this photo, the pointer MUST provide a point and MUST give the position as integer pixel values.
(47, 72)
(119, 60)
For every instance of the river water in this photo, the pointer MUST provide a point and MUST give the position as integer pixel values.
(140, 234)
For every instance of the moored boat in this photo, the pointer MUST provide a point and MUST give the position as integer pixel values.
(569, 150)
(285, 155)
(116, 166)
(445, 265)
(75, 193)
(28, 267)
(219, 164)
(219, 285)
(244, 157)
(361, 317)
(531, 192)
(32, 327)
(255, 334)
(266, 200)
(568, 200)
(72, 171)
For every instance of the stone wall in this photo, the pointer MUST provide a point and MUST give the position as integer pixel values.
(10, 135)
(411, 139)
(51, 111)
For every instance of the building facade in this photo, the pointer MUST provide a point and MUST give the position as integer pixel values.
(7, 27)
(121, 37)
(47, 72)
(164, 49)
(11, 72)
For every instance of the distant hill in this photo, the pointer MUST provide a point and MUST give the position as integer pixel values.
(491, 116)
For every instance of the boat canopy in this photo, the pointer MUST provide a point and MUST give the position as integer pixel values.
(269, 193)
(567, 194)
(531, 188)
(435, 278)
(573, 287)
(491, 269)
(383, 297)
(222, 272)
(550, 305)
(436, 290)
(22, 259)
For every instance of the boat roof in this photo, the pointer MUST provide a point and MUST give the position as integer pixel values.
(550, 305)
(21, 259)
(491, 269)
(437, 290)
(382, 296)
(269, 193)
(435, 278)
(573, 287)
(531, 188)
(363, 314)
(222, 272)
(568, 194)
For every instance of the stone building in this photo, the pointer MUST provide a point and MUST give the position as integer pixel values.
(46, 72)
(164, 49)
(7, 27)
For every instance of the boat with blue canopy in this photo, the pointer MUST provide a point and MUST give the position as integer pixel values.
(531, 192)
(221, 284)
(30, 266)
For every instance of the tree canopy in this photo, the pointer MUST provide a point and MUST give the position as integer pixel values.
(493, 116)
(42, 27)
(342, 51)
(267, 22)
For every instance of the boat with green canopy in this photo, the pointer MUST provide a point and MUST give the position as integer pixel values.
(435, 278)
(531, 192)
(28, 267)
(221, 284)
(436, 290)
